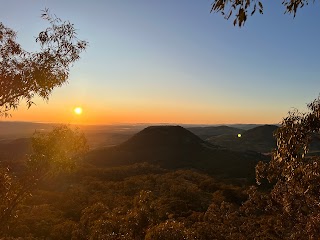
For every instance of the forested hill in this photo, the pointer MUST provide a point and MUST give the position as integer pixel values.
(259, 139)
(206, 132)
(170, 147)
(174, 147)
(166, 136)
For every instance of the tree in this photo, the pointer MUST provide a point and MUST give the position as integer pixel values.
(288, 208)
(295, 174)
(241, 9)
(24, 75)
(53, 152)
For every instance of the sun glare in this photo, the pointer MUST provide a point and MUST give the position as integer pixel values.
(78, 110)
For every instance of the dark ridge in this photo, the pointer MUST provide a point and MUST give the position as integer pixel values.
(259, 139)
(261, 133)
(174, 147)
(13, 153)
(158, 136)
(206, 132)
(15, 149)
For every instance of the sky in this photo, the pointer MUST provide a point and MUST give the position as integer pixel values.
(175, 62)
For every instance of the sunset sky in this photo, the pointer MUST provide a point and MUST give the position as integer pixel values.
(174, 62)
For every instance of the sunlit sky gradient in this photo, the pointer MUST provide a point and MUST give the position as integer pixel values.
(174, 62)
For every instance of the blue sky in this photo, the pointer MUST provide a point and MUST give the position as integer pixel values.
(174, 61)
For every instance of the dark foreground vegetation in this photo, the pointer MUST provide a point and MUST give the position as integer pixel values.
(139, 201)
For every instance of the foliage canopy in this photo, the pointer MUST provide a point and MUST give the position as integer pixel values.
(240, 10)
(24, 75)
(52, 152)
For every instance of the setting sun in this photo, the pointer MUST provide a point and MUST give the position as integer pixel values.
(78, 110)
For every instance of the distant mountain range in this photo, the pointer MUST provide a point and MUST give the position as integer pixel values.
(259, 139)
(14, 149)
(217, 150)
(168, 146)
(175, 147)
(207, 132)
(13, 153)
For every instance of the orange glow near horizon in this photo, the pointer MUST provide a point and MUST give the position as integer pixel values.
(117, 114)
(112, 117)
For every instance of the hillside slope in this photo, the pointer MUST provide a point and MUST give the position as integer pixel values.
(206, 132)
(175, 147)
(259, 139)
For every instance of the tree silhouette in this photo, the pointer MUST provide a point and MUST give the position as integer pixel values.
(242, 9)
(24, 75)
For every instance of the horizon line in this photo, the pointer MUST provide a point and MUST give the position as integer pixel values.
(138, 123)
